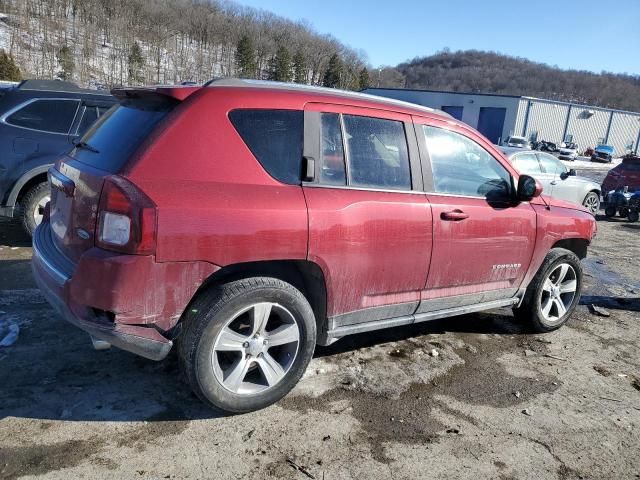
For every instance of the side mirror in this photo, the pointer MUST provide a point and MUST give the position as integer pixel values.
(528, 188)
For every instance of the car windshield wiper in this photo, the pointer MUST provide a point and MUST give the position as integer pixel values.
(86, 146)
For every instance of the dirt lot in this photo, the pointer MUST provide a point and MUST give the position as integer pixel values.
(496, 402)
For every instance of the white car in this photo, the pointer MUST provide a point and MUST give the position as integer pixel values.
(568, 153)
(517, 142)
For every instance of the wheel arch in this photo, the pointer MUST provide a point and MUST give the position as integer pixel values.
(26, 182)
(576, 245)
(304, 275)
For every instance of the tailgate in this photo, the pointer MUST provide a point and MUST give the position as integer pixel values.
(75, 195)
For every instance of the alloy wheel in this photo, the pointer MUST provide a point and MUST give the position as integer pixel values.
(558, 292)
(592, 203)
(256, 348)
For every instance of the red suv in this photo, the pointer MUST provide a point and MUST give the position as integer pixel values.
(626, 174)
(248, 221)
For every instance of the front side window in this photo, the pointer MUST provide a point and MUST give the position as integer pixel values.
(462, 167)
(377, 153)
(275, 137)
(332, 168)
(527, 163)
(551, 164)
(54, 116)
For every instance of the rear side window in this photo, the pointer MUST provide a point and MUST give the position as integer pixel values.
(275, 137)
(47, 115)
(118, 133)
(332, 169)
(377, 153)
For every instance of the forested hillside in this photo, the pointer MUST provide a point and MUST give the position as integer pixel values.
(488, 72)
(116, 42)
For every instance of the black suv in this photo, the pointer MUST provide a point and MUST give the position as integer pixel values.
(39, 119)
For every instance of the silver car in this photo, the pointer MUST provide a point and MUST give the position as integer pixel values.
(558, 181)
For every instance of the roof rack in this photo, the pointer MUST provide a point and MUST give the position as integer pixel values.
(242, 82)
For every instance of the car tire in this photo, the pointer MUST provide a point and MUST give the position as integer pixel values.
(610, 211)
(633, 216)
(227, 354)
(32, 206)
(553, 293)
(592, 202)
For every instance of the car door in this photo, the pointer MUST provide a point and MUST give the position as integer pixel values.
(369, 220)
(483, 239)
(559, 186)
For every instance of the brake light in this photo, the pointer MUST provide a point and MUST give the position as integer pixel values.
(126, 218)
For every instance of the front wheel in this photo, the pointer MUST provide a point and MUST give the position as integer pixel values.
(553, 294)
(33, 204)
(592, 202)
(610, 211)
(246, 343)
(633, 215)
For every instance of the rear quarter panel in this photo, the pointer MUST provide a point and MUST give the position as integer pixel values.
(215, 201)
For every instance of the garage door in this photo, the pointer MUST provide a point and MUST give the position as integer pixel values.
(491, 122)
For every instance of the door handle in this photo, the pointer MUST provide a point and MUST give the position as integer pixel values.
(554, 182)
(455, 215)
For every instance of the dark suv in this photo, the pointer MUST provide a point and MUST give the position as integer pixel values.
(248, 222)
(39, 120)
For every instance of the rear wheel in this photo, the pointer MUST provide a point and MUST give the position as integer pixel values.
(33, 204)
(592, 202)
(633, 216)
(246, 343)
(553, 294)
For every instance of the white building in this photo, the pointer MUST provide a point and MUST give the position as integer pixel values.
(498, 116)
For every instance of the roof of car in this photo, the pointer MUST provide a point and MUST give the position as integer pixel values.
(333, 92)
(57, 86)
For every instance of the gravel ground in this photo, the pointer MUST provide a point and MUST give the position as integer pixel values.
(496, 401)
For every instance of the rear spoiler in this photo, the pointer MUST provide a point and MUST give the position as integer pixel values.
(179, 93)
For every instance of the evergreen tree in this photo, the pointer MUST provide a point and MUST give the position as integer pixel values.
(280, 68)
(8, 69)
(136, 63)
(299, 68)
(245, 58)
(333, 73)
(66, 63)
(363, 79)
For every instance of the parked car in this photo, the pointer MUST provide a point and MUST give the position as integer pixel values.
(517, 142)
(558, 181)
(626, 174)
(602, 153)
(568, 151)
(39, 120)
(295, 216)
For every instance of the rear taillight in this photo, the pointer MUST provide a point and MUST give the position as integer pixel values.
(126, 218)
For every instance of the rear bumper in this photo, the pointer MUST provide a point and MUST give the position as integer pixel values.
(54, 280)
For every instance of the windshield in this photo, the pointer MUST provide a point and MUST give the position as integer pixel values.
(111, 141)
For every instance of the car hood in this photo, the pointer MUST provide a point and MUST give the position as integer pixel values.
(568, 150)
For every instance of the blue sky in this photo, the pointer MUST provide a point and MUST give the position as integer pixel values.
(592, 35)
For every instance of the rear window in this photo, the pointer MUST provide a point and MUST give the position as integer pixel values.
(275, 138)
(119, 132)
